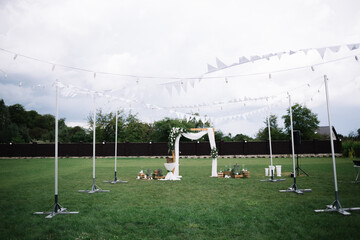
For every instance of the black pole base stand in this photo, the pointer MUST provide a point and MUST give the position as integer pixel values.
(272, 178)
(57, 209)
(336, 207)
(116, 180)
(295, 189)
(94, 189)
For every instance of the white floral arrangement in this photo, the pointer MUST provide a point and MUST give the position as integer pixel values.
(174, 133)
(214, 153)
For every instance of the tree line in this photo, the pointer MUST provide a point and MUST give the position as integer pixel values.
(21, 126)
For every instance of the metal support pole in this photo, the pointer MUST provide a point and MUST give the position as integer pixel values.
(94, 139)
(94, 187)
(57, 208)
(271, 179)
(335, 206)
(294, 187)
(116, 136)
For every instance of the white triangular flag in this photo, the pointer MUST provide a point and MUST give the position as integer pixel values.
(353, 46)
(178, 87)
(305, 50)
(192, 83)
(334, 48)
(243, 60)
(169, 88)
(211, 69)
(291, 52)
(184, 85)
(220, 64)
(279, 54)
(321, 51)
(267, 56)
(255, 58)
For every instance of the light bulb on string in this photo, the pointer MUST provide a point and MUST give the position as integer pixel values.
(312, 68)
(226, 80)
(94, 75)
(356, 58)
(269, 75)
(53, 67)
(15, 56)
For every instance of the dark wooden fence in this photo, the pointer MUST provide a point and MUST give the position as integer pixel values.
(161, 149)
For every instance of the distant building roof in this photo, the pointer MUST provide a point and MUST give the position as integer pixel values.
(325, 131)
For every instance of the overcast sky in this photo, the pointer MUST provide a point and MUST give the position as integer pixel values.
(166, 46)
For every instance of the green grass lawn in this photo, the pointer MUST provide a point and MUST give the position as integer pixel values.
(197, 207)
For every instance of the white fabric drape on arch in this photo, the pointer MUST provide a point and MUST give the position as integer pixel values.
(195, 136)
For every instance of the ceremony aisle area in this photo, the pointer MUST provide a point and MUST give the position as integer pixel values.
(197, 207)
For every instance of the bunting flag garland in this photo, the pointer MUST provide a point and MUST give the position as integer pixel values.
(72, 91)
(211, 69)
(181, 84)
(217, 103)
(243, 59)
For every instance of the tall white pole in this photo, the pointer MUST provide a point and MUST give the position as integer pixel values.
(94, 141)
(56, 143)
(116, 134)
(294, 187)
(335, 206)
(268, 122)
(292, 136)
(331, 135)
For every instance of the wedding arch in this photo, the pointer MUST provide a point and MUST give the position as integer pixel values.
(177, 133)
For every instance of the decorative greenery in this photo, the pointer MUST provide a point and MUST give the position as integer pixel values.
(174, 133)
(214, 152)
(351, 149)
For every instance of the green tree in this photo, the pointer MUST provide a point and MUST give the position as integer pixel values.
(276, 132)
(136, 131)
(8, 130)
(303, 120)
(79, 134)
(162, 128)
(241, 137)
(130, 128)
(18, 115)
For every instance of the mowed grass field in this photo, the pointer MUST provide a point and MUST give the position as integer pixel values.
(197, 207)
